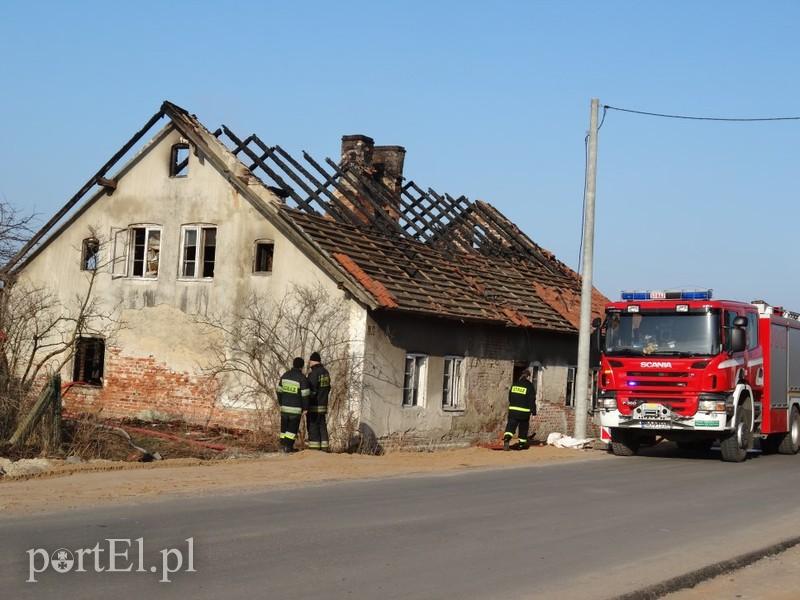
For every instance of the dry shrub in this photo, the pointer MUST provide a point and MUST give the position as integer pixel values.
(257, 343)
(88, 437)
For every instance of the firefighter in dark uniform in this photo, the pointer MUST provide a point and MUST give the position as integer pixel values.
(320, 381)
(521, 405)
(293, 396)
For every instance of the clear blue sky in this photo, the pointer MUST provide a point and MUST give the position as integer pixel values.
(490, 99)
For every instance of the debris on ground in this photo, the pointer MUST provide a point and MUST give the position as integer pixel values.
(559, 440)
(24, 467)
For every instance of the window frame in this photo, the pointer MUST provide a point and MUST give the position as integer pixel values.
(148, 228)
(255, 270)
(569, 394)
(419, 376)
(453, 364)
(200, 245)
(79, 361)
(569, 390)
(85, 254)
(174, 172)
(752, 330)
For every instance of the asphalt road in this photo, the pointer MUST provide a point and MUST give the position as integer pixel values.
(589, 529)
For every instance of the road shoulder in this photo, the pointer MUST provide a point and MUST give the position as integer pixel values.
(77, 488)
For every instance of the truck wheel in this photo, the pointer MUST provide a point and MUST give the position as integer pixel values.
(790, 443)
(623, 444)
(734, 446)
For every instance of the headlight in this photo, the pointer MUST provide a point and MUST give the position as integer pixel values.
(711, 406)
(607, 401)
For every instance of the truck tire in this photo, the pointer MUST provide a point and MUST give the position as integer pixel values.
(733, 447)
(623, 443)
(790, 443)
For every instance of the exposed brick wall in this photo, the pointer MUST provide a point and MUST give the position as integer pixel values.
(486, 390)
(145, 388)
(554, 416)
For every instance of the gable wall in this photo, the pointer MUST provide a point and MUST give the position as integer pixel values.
(154, 362)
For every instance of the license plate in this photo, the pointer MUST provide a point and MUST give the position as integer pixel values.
(656, 424)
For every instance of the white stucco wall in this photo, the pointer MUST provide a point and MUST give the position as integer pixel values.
(157, 313)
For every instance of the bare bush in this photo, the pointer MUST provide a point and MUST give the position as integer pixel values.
(39, 333)
(259, 341)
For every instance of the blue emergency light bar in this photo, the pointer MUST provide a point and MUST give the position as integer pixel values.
(668, 295)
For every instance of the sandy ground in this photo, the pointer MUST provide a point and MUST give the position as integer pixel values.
(771, 578)
(80, 486)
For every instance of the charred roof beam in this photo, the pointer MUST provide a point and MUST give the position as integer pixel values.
(264, 167)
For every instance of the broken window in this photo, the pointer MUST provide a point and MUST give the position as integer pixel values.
(119, 262)
(179, 160)
(520, 366)
(89, 361)
(451, 383)
(90, 254)
(263, 259)
(414, 380)
(198, 252)
(569, 393)
(145, 245)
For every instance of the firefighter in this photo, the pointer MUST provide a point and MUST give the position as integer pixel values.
(521, 405)
(293, 395)
(320, 381)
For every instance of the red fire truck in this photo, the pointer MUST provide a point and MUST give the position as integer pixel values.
(694, 370)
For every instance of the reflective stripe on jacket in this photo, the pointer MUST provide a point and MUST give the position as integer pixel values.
(522, 398)
(293, 392)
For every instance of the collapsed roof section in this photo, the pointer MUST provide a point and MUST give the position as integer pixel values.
(393, 244)
(355, 192)
(415, 249)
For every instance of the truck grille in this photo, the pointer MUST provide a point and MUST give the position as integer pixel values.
(644, 383)
(655, 374)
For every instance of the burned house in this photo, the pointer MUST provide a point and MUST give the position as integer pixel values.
(448, 300)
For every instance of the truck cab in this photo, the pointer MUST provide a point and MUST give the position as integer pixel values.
(684, 367)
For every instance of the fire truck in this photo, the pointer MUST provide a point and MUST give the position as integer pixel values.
(684, 367)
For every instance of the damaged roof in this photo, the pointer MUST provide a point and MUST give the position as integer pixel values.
(416, 250)
(395, 245)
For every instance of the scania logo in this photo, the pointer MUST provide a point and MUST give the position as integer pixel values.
(655, 364)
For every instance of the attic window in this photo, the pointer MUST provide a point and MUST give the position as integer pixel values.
(90, 254)
(265, 251)
(179, 161)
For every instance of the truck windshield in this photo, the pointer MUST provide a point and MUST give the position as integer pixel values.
(662, 334)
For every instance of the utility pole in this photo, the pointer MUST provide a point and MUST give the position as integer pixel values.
(584, 333)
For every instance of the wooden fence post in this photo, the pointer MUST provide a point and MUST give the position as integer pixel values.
(57, 406)
(34, 415)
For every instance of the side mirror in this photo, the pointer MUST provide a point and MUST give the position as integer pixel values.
(740, 322)
(596, 322)
(738, 338)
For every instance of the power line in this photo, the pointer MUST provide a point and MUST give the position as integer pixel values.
(695, 118)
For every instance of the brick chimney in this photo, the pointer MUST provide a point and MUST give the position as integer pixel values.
(388, 164)
(383, 164)
(357, 150)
